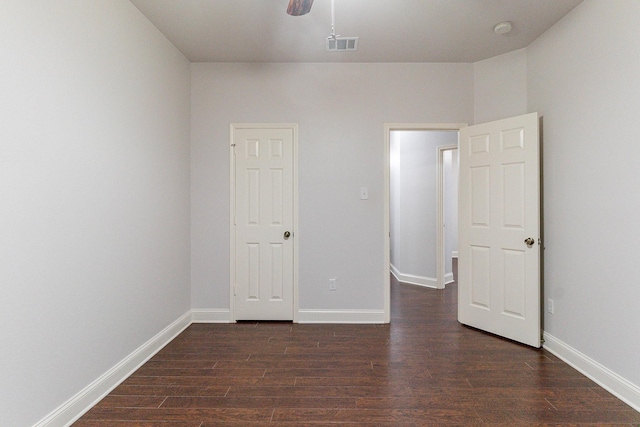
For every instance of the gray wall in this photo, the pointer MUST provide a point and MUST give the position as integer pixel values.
(451, 172)
(341, 110)
(500, 87)
(583, 79)
(94, 184)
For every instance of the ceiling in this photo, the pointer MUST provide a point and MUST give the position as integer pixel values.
(389, 30)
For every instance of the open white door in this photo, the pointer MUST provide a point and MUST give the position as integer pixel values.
(499, 228)
(263, 219)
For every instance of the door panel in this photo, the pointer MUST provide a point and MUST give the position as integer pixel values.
(263, 269)
(499, 274)
(480, 196)
(481, 277)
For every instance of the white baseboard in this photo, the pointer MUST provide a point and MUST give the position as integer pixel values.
(304, 316)
(341, 316)
(427, 282)
(212, 315)
(448, 278)
(607, 379)
(84, 400)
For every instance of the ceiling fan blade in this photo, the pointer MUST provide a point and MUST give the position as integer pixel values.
(299, 7)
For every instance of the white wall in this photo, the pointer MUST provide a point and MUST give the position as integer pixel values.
(583, 79)
(450, 202)
(500, 86)
(94, 183)
(395, 198)
(341, 110)
(414, 203)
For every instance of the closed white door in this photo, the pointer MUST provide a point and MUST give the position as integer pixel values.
(264, 217)
(499, 228)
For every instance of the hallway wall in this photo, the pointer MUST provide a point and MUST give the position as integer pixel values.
(413, 203)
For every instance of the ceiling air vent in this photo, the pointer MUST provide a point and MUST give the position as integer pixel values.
(339, 44)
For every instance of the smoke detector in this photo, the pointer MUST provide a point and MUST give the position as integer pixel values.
(502, 27)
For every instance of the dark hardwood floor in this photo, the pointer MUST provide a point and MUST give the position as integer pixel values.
(423, 369)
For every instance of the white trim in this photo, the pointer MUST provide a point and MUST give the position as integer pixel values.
(232, 223)
(232, 195)
(296, 229)
(454, 254)
(341, 316)
(87, 398)
(210, 315)
(395, 272)
(76, 406)
(388, 127)
(386, 227)
(448, 278)
(623, 389)
(441, 279)
(427, 282)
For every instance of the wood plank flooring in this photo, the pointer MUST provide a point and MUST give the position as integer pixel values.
(424, 369)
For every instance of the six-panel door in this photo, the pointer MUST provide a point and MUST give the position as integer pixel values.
(263, 214)
(499, 209)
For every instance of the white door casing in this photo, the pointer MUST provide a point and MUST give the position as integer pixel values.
(263, 164)
(499, 208)
(440, 220)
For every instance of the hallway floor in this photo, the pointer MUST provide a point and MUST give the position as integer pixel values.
(423, 369)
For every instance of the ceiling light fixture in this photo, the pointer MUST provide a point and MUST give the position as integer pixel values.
(502, 27)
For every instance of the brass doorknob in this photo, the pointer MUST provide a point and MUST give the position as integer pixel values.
(287, 234)
(529, 241)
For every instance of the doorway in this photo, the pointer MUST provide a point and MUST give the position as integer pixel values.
(499, 226)
(417, 261)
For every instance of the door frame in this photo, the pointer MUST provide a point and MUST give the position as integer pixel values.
(440, 214)
(388, 128)
(232, 210)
